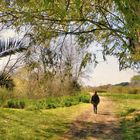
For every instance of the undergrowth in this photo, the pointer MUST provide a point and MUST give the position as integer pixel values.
(47, 103)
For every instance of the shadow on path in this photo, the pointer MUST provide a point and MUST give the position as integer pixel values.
(84, 130)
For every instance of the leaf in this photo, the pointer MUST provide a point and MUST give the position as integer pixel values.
(47, 2)
(78, 3)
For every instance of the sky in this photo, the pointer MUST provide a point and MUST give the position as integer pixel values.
(7, 33)
(108, 73)
(104, 73)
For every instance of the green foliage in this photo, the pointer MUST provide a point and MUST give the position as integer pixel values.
(137, 118)
(85, 98)
(70, 101)
(113, 23)
(131, 12)
(85, 60)
(53, 102)
(131, 128)
(48, 103)
(13, 103)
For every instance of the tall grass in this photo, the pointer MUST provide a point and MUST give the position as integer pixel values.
(40, 86)
(5, 95)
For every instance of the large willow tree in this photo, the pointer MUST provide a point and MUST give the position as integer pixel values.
(114, 24)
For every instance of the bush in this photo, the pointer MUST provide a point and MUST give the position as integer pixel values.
(85, 98)
(72, 100)
(44, 104)
(51, 105)
(53, 102)
(137, 118)
(132, 91)
(68, 103)
(48, 103)
(15, 104)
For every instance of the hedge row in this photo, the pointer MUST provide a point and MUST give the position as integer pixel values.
(47, 103)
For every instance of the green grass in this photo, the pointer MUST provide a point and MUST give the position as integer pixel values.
(117, 96)
(128, 107)
(131, 128)
(21, 124)
(38, 119)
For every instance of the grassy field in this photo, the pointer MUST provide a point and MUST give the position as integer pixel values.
(38, 119)
(51, 124)
(128, 107)
(21, 124)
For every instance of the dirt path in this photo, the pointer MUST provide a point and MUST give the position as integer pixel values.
(101, 126)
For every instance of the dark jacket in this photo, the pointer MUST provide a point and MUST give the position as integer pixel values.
(95, 99)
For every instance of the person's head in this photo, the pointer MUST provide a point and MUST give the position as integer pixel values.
(95, 93)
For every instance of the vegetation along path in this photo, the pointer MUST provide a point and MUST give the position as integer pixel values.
(101, 126)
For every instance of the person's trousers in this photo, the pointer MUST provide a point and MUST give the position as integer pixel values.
(95, 108)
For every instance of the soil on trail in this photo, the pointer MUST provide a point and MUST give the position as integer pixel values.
(101, 126)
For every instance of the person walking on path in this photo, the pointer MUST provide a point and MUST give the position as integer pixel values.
(95, 101)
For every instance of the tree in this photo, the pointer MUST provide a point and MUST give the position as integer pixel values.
(11, 63)
(11, 46)
(8, 48)
(69, 60)
(112, 23)
(131, 13)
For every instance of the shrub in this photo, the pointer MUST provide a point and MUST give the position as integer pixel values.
(13, 103)
(137, 118)
(85, 98)
(22, 104)
(69, 101)
(132, 91)
(53, 102)
(51, 105)
(48, 103)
